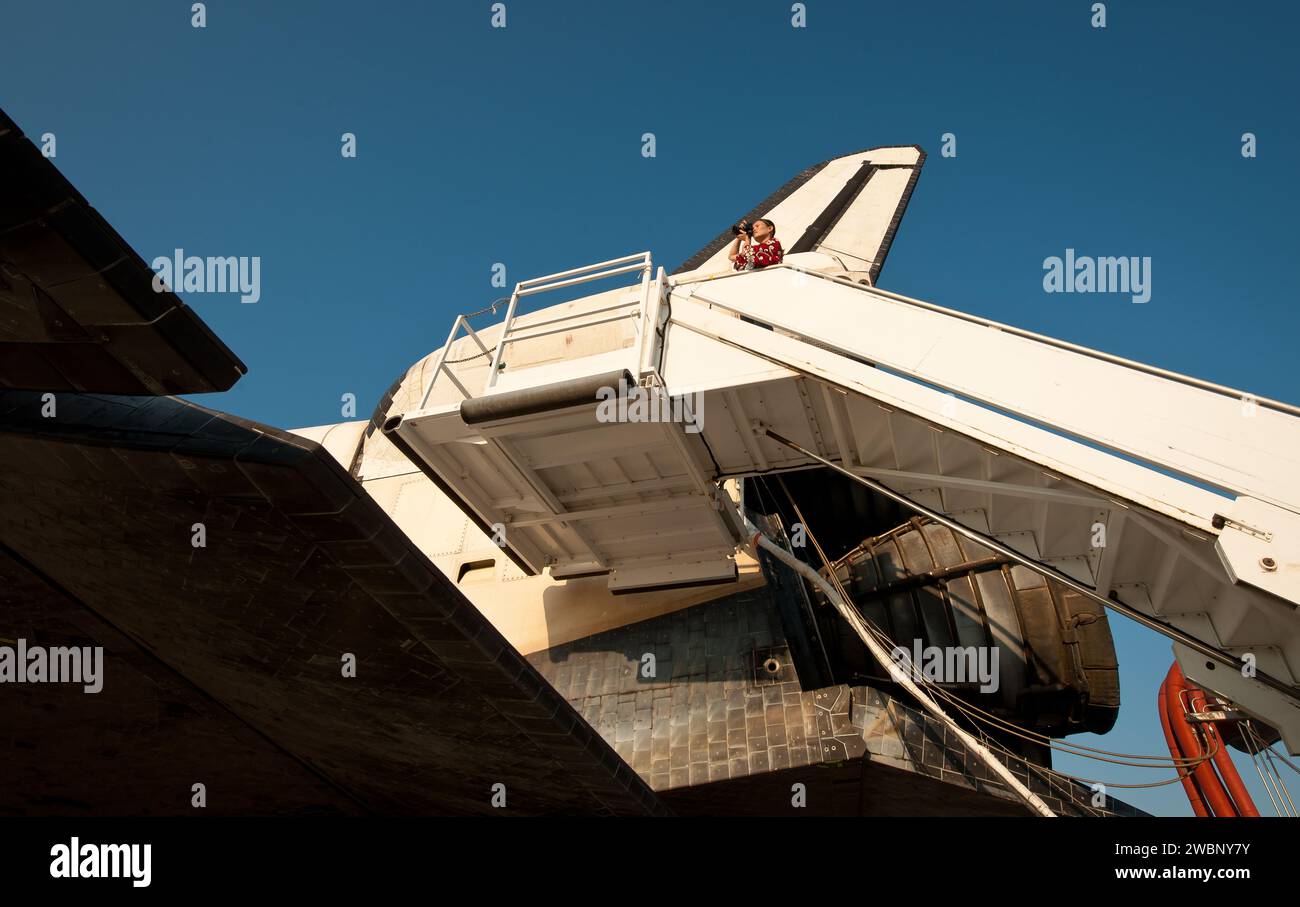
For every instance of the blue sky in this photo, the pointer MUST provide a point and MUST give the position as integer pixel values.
(522, 145)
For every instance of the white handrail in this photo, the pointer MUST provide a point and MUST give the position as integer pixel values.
(639, 261)
(637, 256)
(627, 264)
(599, 275)
(1223, 390)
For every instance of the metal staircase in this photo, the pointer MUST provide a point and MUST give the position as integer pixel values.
(1178, 497)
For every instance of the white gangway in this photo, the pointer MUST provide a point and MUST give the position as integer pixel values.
(1175, 500)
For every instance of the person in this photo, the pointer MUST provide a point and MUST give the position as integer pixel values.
(756, 246)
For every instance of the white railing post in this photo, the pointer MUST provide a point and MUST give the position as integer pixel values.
(442, 358)
(501, 343)
(650, 323)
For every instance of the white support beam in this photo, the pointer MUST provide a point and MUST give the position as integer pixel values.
(831, 398)
(704, 484)
(1054, 495)
(746, 431)
(644, 486)
(664, 505)
(1110, 552)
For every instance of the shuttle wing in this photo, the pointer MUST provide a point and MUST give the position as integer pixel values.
(248, 561)
(78, 311)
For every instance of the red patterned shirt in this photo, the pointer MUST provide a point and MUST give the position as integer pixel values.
(760, 255)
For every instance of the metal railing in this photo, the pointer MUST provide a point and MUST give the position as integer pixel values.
(1266, 402)
(645, 313)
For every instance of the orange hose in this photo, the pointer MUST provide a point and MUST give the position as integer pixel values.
(1222, 793)
(1228, 771)
(1243, 803)
(1212, 790)
(1189, 783)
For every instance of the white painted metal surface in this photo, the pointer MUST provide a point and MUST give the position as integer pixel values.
(1177, 496)
(1001, 431)
(869, 382)
(1228, 442)
(572, 489)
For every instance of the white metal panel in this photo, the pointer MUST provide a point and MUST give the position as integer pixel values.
(1036, 491)
(1284, 712)
(1116, 476)
(1260, 546)
(641, 500)
(577, 494)
(711, 366)
(1211, 437)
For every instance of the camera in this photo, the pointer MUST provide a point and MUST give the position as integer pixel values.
(744, 226)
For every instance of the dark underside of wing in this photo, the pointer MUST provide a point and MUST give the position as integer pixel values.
(224, 661)
(78, 311)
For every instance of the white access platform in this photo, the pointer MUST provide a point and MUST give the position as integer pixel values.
(513, 432)
(1175, 496)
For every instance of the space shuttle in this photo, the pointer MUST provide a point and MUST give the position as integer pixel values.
(650, 549)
